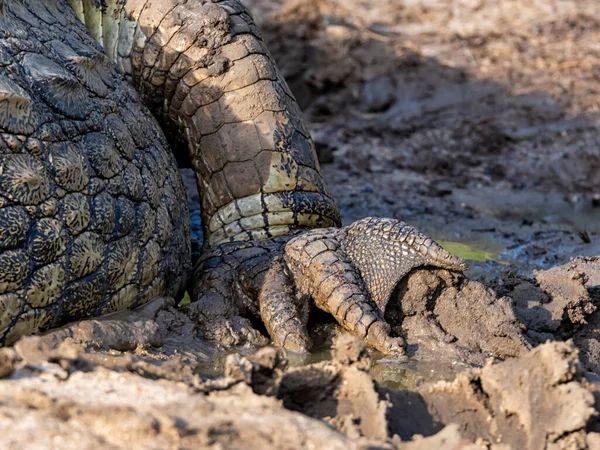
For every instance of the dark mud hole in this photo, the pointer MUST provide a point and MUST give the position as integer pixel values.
(475, 121)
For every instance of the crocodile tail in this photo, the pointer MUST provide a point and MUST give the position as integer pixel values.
(205, 73)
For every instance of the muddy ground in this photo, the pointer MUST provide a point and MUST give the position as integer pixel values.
(474, 120)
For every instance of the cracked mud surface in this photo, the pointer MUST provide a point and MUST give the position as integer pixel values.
(475, 121)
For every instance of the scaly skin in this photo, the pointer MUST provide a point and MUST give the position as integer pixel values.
(205, 74)
(92, 208)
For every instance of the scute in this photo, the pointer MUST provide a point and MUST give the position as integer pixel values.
(75, 212)
(47, 241)
(132, 182)
(150, 262)
(57, 87)
(85, 255)
(46, 285)
(14, 270)
(115, 127)
(103, 213)
(152, 191)
(164, 226)
(16, 109)
(123, 299)
(32, 321)
(14, 225)
(24, 179)
(82, 298)
(84, 68)
(70, 168)
(124, 216)
(121, 263)
(103, 155)
(138, 124)
(154, 290)
(145, 222)
(10, 305)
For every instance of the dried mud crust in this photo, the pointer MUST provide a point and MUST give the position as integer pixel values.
(445, 315)
(76, 398)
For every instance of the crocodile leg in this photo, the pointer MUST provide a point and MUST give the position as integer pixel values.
(271, 246)
(351, 272)
(219, 311)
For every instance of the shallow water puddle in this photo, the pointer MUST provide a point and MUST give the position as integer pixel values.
(408, 375)
(528, 229)
(387, 371)
(394, 373)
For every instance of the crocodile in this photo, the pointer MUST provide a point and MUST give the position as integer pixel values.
(101, 101)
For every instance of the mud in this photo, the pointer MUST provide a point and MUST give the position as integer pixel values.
(82, 398)
(116, 408)
(475, 121)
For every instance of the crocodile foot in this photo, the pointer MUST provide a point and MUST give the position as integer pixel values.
(348, 272)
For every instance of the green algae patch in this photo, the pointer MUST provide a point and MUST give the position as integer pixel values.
(469, 252)
(186, 300)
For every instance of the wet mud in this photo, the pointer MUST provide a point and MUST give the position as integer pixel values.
(475, 121)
